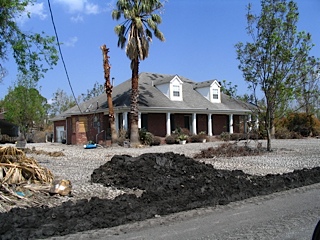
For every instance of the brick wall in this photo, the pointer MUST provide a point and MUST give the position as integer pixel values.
(202, 123)
(220, 124)
(179, 121)
(84, 128)
(157, 124)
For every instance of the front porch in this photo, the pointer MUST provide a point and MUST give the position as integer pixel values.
(163, 124)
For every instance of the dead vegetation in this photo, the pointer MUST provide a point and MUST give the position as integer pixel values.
(230, 150)
(20, 177)
(42, 152)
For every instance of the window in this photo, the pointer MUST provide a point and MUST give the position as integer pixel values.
(215, 94)
(176, 90)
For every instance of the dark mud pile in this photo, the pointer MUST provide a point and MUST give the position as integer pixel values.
(170, 183)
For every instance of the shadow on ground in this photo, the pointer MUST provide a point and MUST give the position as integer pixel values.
(170, 183)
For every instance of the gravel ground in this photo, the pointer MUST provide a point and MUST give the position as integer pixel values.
(78, 163)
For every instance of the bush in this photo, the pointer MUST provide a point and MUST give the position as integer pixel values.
(156, 141)
(300, 123)
(198, 138)
(225, 136)
(316, 127)
(146, 138)
(282, 133)
(195, 139)
(229, 150)
(171, 139)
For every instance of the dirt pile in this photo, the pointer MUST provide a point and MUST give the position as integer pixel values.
(168, 182)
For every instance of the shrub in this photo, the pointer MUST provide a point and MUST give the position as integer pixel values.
(195, 139)
(282, 133)
(225, 136)
(146, 138)
(300, 123)
(229, 150)
(316, 127)
(198, 138)
(156, 141)
(171, 139)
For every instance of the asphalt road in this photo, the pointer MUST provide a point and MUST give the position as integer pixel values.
(287, 215)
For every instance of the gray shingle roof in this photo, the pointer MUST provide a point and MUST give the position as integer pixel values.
(151, 99)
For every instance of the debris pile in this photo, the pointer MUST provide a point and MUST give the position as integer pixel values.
(21, 178)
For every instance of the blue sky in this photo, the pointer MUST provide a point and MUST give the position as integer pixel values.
(200, 38)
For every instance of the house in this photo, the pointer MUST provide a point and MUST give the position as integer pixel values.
(166, 102)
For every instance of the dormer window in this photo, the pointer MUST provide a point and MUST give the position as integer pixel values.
(215, 94)
(176, 90)
(210, 90)
(171, 87)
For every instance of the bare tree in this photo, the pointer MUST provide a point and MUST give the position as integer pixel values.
(108, 89)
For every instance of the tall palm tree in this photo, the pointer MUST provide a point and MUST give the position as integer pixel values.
(135, 33)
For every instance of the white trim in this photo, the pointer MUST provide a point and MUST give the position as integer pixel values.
(125, 120)
(194, 123)
(231, 123)
(168, 124)
(209, 124)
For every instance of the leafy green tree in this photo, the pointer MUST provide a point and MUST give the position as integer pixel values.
(25, 107)
(308, 94)
(29, 50)
(272, 64)
(135, 33)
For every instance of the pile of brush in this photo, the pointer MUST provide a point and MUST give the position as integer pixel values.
(20, 178)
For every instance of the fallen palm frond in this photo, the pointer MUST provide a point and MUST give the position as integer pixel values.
(16, 169)
(42, 152)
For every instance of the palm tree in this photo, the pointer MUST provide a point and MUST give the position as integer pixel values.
(108, 89)
(135, 33)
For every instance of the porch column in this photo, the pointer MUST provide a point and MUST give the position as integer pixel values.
(209, 124)
(194, 124)
(116, 121)
(231, 123)
(168, 124)
(257, 122)
(125, 121)
(249, 122)
(139, 120)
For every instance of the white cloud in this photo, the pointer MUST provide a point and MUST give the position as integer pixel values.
(80, 6)
(35, 10)
(71, 42)
(78, 18)
(91, 8)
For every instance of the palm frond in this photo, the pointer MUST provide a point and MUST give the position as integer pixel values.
(156, 18)
(151, 24)
(116, 14)
(159, 34)
(138, 23)
(149, 35)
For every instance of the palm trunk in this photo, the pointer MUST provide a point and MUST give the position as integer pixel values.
(134, 129)
(108, 89)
